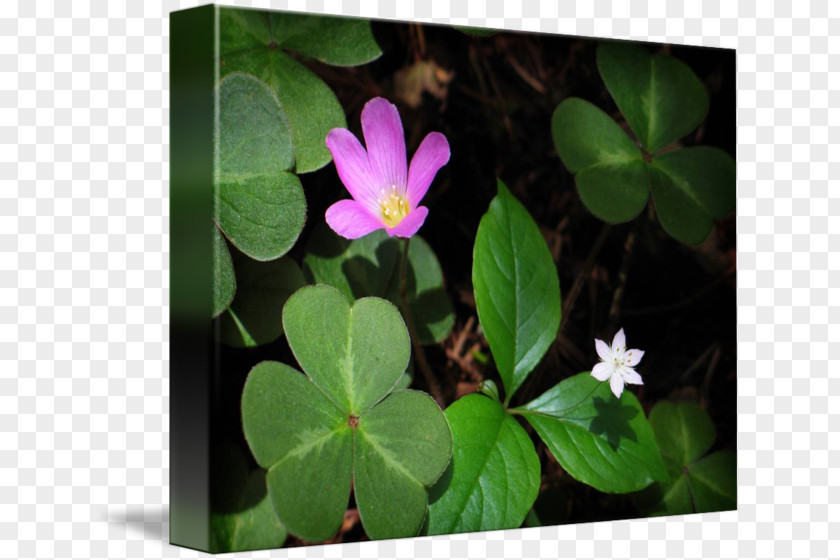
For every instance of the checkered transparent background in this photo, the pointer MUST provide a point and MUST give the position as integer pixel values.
(84, 279)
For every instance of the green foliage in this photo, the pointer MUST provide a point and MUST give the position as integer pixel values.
(242, 517)
(697, 483)
(599, 440)
(254, 42)
(255, 316)
(662, 100)
(475, 31)
(494, 476)
(254, 526)
(369, 266)
(517, 292)
(260, 205)
(224, 281)
(342, 423)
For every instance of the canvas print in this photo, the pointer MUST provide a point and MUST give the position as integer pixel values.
(460, 280)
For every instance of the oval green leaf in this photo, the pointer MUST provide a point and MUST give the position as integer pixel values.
(224, 279)
(403, 445)
(517, 292)
(600, 440)
(660, 96)
(256, 315)
(495, 472)
(368, 266)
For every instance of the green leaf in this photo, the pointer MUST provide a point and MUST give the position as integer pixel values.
(305, 443)
(495, 472)
(260, 206)
(673, 498)
(253, 525)
(614, 193)
(610, 174)
(661, 98)
(253, 42)
(340, 41)
(600, 440)
(343, 421)
(517, 292)
(369, 266)
(683, 431)
(475, 31)
(714, 483)
(254, 133)
(692, 187)
(262, 215)
(585, 136)
(256, 315)
(354, 354)
(402, 446)
(224, 280)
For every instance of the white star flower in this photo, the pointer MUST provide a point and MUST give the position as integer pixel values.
(617, 363)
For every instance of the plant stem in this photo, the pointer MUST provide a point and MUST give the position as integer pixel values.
(618, 295)
(571, 298)
(419, 354)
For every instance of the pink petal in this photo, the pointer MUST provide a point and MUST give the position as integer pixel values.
(633, 356)
(604, 351)
(410, 224)
(385, 142)
(432, 154)
(619, 342)
(617, 385)
(351, 162)
(602, 370)
(630, 375)
(350, 219)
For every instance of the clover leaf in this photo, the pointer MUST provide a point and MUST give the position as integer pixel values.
(256, 42)
(342, 423)
(662, 100)
(260, 205)
(698, 482)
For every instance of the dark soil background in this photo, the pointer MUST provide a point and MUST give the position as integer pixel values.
(493, 98)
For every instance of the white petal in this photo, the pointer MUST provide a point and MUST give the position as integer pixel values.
(604, 351)
(619, 342)
(602, 371)
(631, 376)
(633, 357)
(617, 385)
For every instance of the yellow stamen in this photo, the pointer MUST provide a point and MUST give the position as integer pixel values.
(393, 205)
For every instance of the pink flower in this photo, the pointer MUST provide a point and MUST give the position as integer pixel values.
(385, 193)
